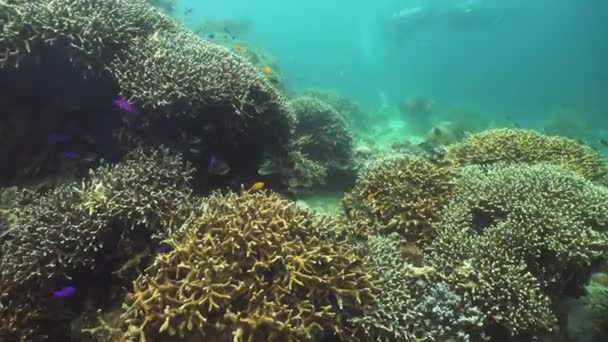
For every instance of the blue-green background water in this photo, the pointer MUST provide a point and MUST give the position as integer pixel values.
(516, 58)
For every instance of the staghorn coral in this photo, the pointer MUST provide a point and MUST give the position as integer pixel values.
(392, 316)
(328, 139)
(69, 228)
(247, 267)
(526, 146)
(90, 31)
(400, 194)
(515, 237)
(413, 303)
(185, 85)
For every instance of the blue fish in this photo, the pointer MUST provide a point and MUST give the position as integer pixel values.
(124, 105)
(163, 249)
(69, 154)
(65, 292)
(218, 166)
(209, 37)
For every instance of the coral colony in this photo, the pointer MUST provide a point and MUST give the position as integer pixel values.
(193, 227)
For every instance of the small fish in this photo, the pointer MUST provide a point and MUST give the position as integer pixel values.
(209, 37)
(163, 249)
(604, 142)
(257, 186)
(124, 105)
(267, 70)
(218, 166)
(70, 154)
(65, 292)
(238, 48)
(188, 11)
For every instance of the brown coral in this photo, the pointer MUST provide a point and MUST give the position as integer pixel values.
(249, 267)
(400, 194)
(526, 146)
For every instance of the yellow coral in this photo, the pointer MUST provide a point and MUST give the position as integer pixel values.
(248, 267)
(401, 195)
(527, 146)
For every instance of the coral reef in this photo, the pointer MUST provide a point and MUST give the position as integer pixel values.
(57, 238)
(325, 136)
(90, 31)
(526, 146)
(514, 237)
(183, 88)
(248, 267)
(596, 302)
(350, 110)
(400, 194)
(415, 304)
(68, 228)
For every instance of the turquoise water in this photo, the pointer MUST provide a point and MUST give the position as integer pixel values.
(313, 170)
(518, 58)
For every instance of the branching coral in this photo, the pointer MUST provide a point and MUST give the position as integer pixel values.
(328, 138)
(160, 68)
(91, 31)
(68, 228)
(515, 236)
(400, 194)
(526, 146)
(249, 267)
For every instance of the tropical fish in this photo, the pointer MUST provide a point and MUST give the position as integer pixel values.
(163, 249)
(267, 70)
(238, 48)
(70, 154)
(124, 105)
(604, 142)
(257, 186)
(64, 292)
(188, 11)
(209, 37)
(218, 166)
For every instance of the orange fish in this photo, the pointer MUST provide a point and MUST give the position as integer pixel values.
(267, 70)
(257, 186)
(238, 48)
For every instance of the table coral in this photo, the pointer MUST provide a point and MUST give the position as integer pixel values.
(400, 194)
(248, 267)
(527, 146)
(516, 236)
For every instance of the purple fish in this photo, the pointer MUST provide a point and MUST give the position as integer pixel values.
(69, 154)
(218, 166)
(163, 249)
(124, 105)
(64, 292)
